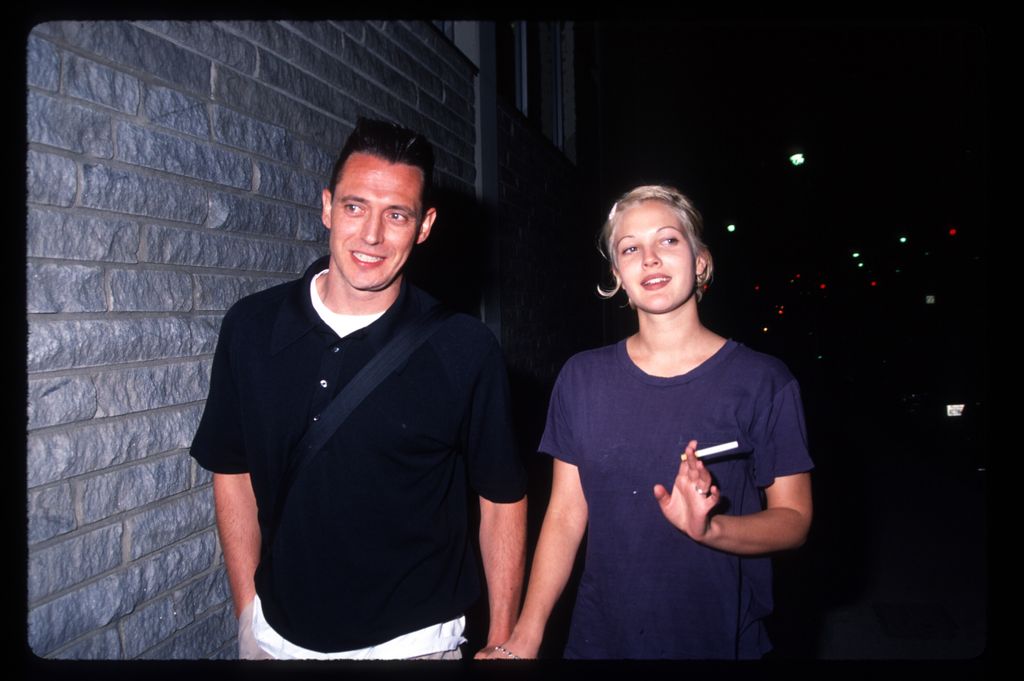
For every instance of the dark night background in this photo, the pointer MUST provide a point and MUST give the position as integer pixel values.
(893, 121)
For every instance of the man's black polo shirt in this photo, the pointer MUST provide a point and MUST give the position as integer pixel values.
(373, 541)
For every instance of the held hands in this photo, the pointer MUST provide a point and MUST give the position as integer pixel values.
(692, 496)
(499, 652)
(520, 646)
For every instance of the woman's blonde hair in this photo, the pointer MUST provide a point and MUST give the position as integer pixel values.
(689, 217)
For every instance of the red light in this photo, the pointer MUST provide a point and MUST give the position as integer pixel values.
(874, 283)
(797, 275)
(757, 287)
(821, 286)
(952, 231)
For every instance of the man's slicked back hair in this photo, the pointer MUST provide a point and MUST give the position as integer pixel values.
(394, 144)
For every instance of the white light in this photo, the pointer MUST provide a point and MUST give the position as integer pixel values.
(730, 228)
(797, 159)
(929, 300)
(954, 410)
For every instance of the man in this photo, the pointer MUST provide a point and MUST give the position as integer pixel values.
(365, 553)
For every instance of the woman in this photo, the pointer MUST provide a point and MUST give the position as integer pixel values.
(676, 571)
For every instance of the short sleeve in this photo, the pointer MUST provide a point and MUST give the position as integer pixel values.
(218, 445)
(782, 443)
(558, 440)
(496, 470)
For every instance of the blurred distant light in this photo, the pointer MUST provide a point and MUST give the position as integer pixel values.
(855, 254)
(954, 410)
(929, 300)
(764, 329)
(821, 286)
(757, 287)
(797, 275)
(820, 356)
(952, 231)
(860, 264)
(903, 239)
(730, 228)
(874, 283)
(797, 159)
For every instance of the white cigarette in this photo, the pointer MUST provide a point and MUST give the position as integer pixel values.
(717, 449)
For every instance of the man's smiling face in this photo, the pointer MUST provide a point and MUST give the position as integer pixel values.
(375, 217)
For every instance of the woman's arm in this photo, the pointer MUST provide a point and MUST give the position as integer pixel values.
(565, 521)
(782, 525)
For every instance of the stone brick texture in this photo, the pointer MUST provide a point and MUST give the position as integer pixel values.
(172, 168)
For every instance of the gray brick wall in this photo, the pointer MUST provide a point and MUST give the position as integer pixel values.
(172, 168)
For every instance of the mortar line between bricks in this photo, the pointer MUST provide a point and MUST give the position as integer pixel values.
(125, 366)
(74, 534)
(245, 236)
(450, 47)
(166, 643)
(210, 141)
(167, 176)
(75, 481)
(143, 266)
(142, 26)
(198, 620)
(401, 46)
(121, 66)
(108, 420)
(340, 63)
(155, 457)
(57, 652)
(87, 104)
(102, 213)
(305, 103)
(127, 566)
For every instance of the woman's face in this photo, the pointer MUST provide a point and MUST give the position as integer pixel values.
(653, 258)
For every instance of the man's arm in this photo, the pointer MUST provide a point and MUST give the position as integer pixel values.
(503, 551)
(565, 522)
(239, 534)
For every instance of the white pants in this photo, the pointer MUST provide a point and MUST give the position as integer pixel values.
(249, 648)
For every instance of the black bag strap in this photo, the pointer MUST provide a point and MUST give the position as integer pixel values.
(382, 365)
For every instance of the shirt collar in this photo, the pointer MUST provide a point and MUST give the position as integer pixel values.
(296, 316)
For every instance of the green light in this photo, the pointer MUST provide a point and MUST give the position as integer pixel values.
(860, 264)
(856, 254)
(797, 159)
(730, 228)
